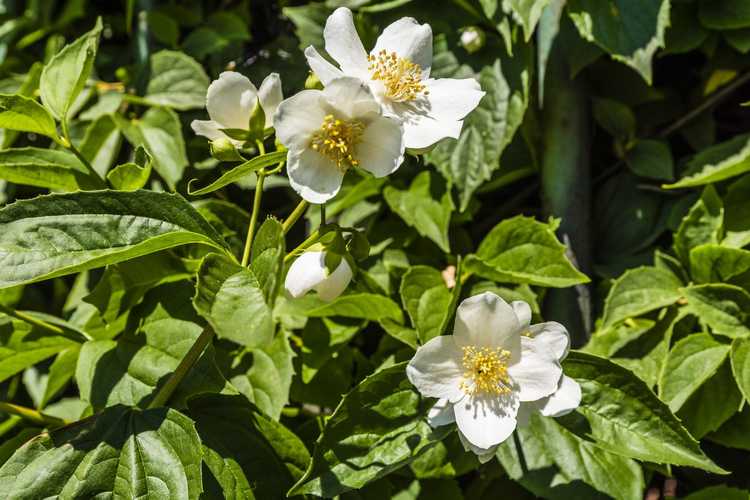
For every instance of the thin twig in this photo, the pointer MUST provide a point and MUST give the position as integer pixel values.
(32, 415)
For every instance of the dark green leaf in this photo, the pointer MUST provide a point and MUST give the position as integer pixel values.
(651, 159)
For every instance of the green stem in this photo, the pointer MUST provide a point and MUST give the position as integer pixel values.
(322, 214)
(68, 144)
(32, 320)
(296, 214)
(309, 241)
(253, 217)
(32, 415)
(165, 392)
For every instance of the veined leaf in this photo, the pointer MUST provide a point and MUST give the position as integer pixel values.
(101, 144)
(714, 164)
(133, 175)
(62, 234)
(360, 305)
(267, 258)
(740, 356)
(46, 168)
(639, 291)
(427, 300)
(177, 81)
(712, 404)
(718, 264)
(120, 453)
(724, 308)
(26, 115)
(703, 224)
(240, 171)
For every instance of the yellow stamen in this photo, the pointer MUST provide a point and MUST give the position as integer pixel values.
(486, 371)
(336, 140)
(401, 77)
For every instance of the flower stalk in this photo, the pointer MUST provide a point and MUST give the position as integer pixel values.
(32, 415)
(295, 215)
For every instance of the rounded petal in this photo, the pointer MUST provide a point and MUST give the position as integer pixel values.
(410, 40)
(554, 335)
(231, 99)
(436, 369)
(298, 117)
(484, 455)
(564, 400)
(305, 273)
(350, 97)
(325, 71)
(313, 176)
(523, 313)
(381, 149)
(441, 413)
(487, 320)
(343, 43)
(451, 99)
(270, 95)
(207, 128)
(335, 284)
(422, 132)
(537, 372)
(486, 422)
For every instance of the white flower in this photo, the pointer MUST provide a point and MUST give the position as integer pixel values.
(309, 272)
(398, 72)
(331, 130)
(230, 101)
(486, 370)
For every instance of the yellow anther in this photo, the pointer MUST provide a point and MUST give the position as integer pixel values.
(485, 371)
(401, 78)
(336, 140)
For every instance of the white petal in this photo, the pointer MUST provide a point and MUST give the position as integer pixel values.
(441, 413)
(410, 40)
(484, 455)
(566, 399)
(436, 369)
(231, 99)
(486, 421)
(343, 43)
(487, 320)
(554, 336)
(324, 70)
(335, 284)
(350, 97)
(422, 132)
(537, 372)
(381, 149)
(523, 313)
(305, 273)
(450, 98)
(298, 117)
(314, 177)
(207, 128)
(270, 95)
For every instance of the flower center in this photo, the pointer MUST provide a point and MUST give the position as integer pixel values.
(401, 77)
(485, 371)
(336, 140)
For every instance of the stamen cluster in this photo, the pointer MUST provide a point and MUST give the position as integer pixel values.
(485, 371)
(336, 140)
(402, 78)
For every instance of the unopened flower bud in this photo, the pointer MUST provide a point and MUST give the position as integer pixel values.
(472, 39)
(223, 150)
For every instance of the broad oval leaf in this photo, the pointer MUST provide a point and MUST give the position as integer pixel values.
(639, 291)
(740, 356)
(267, 258)
(47, 168)
(62, 234)
(427, 300)
(714, 164)
(26, 115)
(119, 453)
(369, 306)
(724, 308)
(718, 264)
(626, 418)
(177, 81)
(239, 172)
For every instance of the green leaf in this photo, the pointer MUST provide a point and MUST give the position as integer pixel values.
(377, 428)
(133, 175)
(46, 168)
(250, 455)
(427, 300)
(72, 232)
(267, 258)
(61, 371)
(544, 444)
(724, 14)
(721, 491)
(420, 208)
(177, 81)
(368, 306)
(626, 418)
(615, 117)
(263, 375)
(631, 32)
(160, 132)
(718, 264)
(239, 172)
(651, 159)
(704, 223)
(723, 307)
(735, 433)
(639, 291)
(740, 356)
(26, 115)
(130, 370)
(65, 75)
(22, 346)
(470, 161)
(717, 163)
(527, 12)
(101, 144)
(523, 250)
(229, 297)
(692, 361)
(119, 453)
(712, 404)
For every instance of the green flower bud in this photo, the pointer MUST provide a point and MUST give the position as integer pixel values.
(257, 122)
(223, 150)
